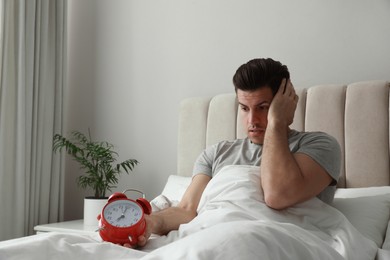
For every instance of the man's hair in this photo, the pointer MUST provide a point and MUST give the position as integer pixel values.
(259, 73)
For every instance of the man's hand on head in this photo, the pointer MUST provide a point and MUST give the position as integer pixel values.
(283, 105)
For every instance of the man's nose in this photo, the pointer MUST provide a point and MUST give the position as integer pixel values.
(252, 118)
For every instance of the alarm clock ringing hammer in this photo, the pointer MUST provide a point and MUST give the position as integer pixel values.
(122, 219)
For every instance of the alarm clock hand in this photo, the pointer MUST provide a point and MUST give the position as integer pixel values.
(120, 217)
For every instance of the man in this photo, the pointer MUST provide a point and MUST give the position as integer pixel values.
(294, 166)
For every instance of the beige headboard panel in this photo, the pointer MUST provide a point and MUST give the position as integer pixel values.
(357, 115)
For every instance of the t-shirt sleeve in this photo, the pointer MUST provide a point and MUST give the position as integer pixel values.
(204, 162)
(325, 150)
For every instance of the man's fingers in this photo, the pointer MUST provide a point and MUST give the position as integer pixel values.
(282, 87)
(285, 85)
(290, 91)
(286, 88)
(142, 241)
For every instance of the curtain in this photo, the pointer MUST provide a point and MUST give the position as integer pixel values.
(32, 80)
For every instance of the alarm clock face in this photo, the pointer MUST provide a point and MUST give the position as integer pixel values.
(122, 213)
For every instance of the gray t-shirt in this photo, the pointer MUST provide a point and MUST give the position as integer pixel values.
(321, 147)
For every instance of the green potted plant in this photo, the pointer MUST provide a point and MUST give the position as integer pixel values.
(98, 162)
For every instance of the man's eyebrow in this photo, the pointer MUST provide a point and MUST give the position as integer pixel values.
(259, 104)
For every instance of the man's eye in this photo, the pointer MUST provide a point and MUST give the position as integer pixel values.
(263, 107)
(244, 108)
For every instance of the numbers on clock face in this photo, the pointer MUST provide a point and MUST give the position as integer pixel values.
(122, 213)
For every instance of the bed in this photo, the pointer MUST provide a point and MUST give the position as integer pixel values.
(232, 221)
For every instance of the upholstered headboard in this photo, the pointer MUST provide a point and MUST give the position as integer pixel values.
(357, 115)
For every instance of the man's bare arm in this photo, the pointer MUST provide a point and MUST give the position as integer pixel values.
(164, 221)
(287, 178)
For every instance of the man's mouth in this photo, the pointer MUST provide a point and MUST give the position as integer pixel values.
(256, 130)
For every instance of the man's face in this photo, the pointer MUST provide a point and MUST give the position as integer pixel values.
(254, 107)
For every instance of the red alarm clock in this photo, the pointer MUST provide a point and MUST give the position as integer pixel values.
(122, 219)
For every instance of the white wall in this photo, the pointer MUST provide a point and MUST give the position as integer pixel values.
(132, 61)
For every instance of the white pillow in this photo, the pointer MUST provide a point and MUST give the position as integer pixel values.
(369, 214)
(361, 192)
(175, 187)
(172, 193)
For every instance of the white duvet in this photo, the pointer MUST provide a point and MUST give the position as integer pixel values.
(232, 223)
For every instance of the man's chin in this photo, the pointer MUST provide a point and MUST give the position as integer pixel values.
(255, 140)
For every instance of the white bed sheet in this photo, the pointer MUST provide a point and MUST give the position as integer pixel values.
(231, 224)
(368, 208)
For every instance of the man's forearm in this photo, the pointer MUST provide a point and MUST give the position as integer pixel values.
(170, 219)
(280, 172)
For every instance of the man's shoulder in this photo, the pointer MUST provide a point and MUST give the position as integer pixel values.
(310, 134)
(313, 136)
